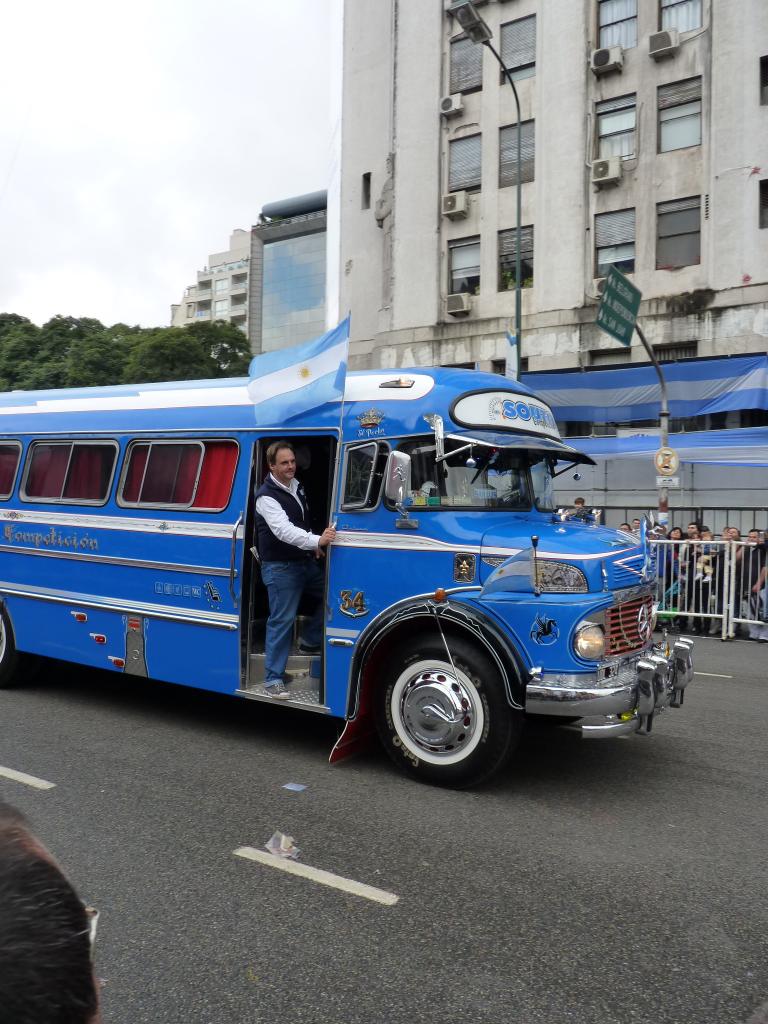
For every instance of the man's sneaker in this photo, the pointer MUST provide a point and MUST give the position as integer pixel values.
(278, 690)
(309, 648)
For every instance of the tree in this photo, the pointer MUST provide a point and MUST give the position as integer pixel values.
(19, 354)
(80, 352)
(168, 353)
(226, 344)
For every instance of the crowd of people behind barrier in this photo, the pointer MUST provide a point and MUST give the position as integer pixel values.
(694, 576)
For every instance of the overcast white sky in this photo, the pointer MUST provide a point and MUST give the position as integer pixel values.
(135, 137)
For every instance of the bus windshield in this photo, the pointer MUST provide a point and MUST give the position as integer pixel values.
(472, 476)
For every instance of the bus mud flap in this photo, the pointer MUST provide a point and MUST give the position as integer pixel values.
(357, 736)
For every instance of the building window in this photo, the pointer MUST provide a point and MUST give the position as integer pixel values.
(764, 203)
(220, 308)
(518, 47)
(508, 153)
(190, 309)
(678, 233)
(365, 198)
(507, 261)
(680, 115)
(464, 266)
(221, 285)
(680, 350)
(615, 242)
(293, 292)
(464, 164)
(618, 23)
(764, 81)
(684, 15)
(616, 122)
(466, 66)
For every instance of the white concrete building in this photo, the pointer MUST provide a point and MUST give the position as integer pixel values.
(645, 144)
(222, 288)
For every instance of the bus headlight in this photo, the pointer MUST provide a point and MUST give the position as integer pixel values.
(559, 578)
(589, 642)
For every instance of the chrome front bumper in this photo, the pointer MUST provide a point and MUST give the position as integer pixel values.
(631, 696)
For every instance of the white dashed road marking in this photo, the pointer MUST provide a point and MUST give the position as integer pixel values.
(27, 780)
(713, 675)
(293, 867)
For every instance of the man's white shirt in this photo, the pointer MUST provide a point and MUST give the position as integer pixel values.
(278, 522)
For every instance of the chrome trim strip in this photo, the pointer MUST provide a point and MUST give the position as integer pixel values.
(138, 563)
(390, 541)
(401, 541)
(221, 620)
(337, 631)
(131, 524)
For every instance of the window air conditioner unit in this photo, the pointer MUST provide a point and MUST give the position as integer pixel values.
(455, 205)
(450, 105)
(599, 286)
(458, 304)
(607, 171)
(664, 44)
(610, 58)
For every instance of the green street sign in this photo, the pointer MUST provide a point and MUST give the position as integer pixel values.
(618, 308)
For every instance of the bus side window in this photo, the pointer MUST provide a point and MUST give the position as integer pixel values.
(10, 453)
(70, 471)
(363, 473)
(179, 474)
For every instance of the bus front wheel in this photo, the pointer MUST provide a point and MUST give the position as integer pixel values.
(446, 723)
(8, 654)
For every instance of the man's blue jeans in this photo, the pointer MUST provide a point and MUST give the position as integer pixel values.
(285, 583)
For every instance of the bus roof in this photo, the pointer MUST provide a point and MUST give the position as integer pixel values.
(376, 403)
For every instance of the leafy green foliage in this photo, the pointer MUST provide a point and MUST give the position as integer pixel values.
(83, 352)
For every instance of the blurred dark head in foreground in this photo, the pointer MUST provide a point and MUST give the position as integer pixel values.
(46, 974)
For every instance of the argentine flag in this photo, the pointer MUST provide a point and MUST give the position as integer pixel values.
(291, 381)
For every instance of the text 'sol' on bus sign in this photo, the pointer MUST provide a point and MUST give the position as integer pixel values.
(618, 308)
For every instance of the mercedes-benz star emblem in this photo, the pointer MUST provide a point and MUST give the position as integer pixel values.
(644, 624)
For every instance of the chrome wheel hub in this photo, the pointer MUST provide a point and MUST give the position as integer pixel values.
(438, 711)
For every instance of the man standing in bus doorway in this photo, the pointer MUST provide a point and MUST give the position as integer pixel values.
(290, 562)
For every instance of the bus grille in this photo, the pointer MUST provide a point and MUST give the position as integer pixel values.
(628, 626)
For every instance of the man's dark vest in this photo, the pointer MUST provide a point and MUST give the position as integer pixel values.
(270, 548)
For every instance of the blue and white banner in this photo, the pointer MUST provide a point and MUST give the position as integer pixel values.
(696, 387)
(290, 381)
(745, 447)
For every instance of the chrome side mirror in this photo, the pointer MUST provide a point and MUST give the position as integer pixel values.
(397, 484)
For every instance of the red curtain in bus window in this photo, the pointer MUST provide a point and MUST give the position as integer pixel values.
(171, 474)
(137, 460)
(90, 470)
(217, 475)
(46, 471)
(9, 460)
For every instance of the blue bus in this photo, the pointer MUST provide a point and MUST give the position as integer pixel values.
(459, 600)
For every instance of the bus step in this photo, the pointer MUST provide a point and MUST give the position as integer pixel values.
(303, 687)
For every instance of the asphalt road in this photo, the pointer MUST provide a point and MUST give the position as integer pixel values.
(595, 881)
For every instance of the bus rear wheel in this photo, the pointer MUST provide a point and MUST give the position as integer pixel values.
(442, 723)
(8, 654)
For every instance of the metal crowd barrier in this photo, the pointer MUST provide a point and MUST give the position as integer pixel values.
(716, 587)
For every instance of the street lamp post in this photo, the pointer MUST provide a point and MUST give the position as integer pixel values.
(478, 32)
